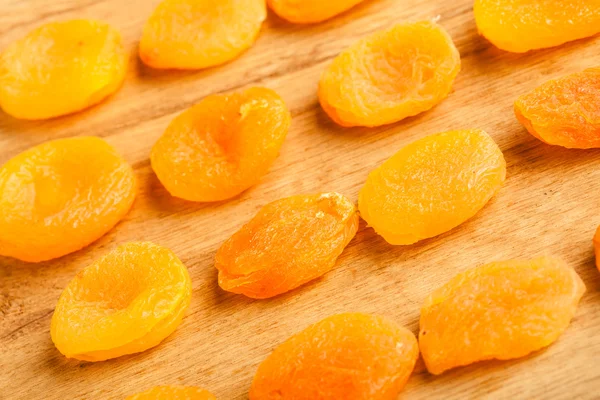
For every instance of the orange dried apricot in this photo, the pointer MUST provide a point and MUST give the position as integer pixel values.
(390, 75)
(501, 310)
(221, 146)
(287, 244)
(565, 111)
(432, 185)
(346, 356)
(173, 393)
(597, 247)
(522, 25)
(310, 11)
(195, 34)
(124, 303)
(60, 68)
(60, 196)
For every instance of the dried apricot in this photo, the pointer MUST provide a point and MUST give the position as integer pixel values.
(597, 247)
(124, 303)
(173, 393)
(346, 356)
(310, 11)
(391, 75)
(501, 310)
(60, 196)
(432, 185)
(60, 68)
(288, 243)
(221, 146)
(522, 25)
(195, 34)
(565, 111)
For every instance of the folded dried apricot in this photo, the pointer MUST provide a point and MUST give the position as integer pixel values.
(501, 310)
(345, 356)
(565, 111)
(60, 196)
(390, 75)
(597, 247)
(173, 393)
(221, 146)
(523, 25)
(288, 243)
(195, 34)
(124, 303)
(310, 11)
(60, 68)
(432, 185)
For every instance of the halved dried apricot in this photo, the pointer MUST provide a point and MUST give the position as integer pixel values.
(124, 303)
(597, 247)
(221, 146)
(60, 68)
(310, 11)
(432, 185)
(345, 356)
(390, 75)
(173, 393)
(501, 310)
(565, 111)
(60, 196)
(288, 243)
(523, 25)
(195, 34)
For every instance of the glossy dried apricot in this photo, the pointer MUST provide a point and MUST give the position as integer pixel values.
(124, 303)
(173, 393)
(288, 243)
(501, 310)
(522, 25)
(432, 185)
(310, 11)
(346, 356)
(597, 247)
(565, 111)
(391, 75)
(195, 34)
(221, 146)
(60, 196)
(60, 68)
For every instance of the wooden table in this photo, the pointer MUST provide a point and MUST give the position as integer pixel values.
(549, 205)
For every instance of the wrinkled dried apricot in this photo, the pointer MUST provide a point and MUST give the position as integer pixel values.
(310, 11)
(195, 34)
(432, 185)
(597, 247)
(173, 393)
(501, 310)
(391, 75)
(565, 111)
(522, 25)
(60, 68)
(60, 196)
(346, 356)
(221, 146)
(288, 243)
(124, 303)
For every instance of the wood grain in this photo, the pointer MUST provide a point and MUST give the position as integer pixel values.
(549, 205)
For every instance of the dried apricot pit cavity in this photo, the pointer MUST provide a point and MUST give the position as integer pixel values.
(565, 111)
(173, 393)
(390, 75)
(60, 196)
(124, 303)
(346, 356)
(60, 68)
(288, 243)
(432, 185)
(195, 34)
(222, 145)
(310, 11)
(523, 25)
(501, 310)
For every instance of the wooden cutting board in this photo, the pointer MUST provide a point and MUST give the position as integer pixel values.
(549, 205)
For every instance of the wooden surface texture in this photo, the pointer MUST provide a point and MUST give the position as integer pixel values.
(549, 205)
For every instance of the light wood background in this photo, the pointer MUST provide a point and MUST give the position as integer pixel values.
(549, 205)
